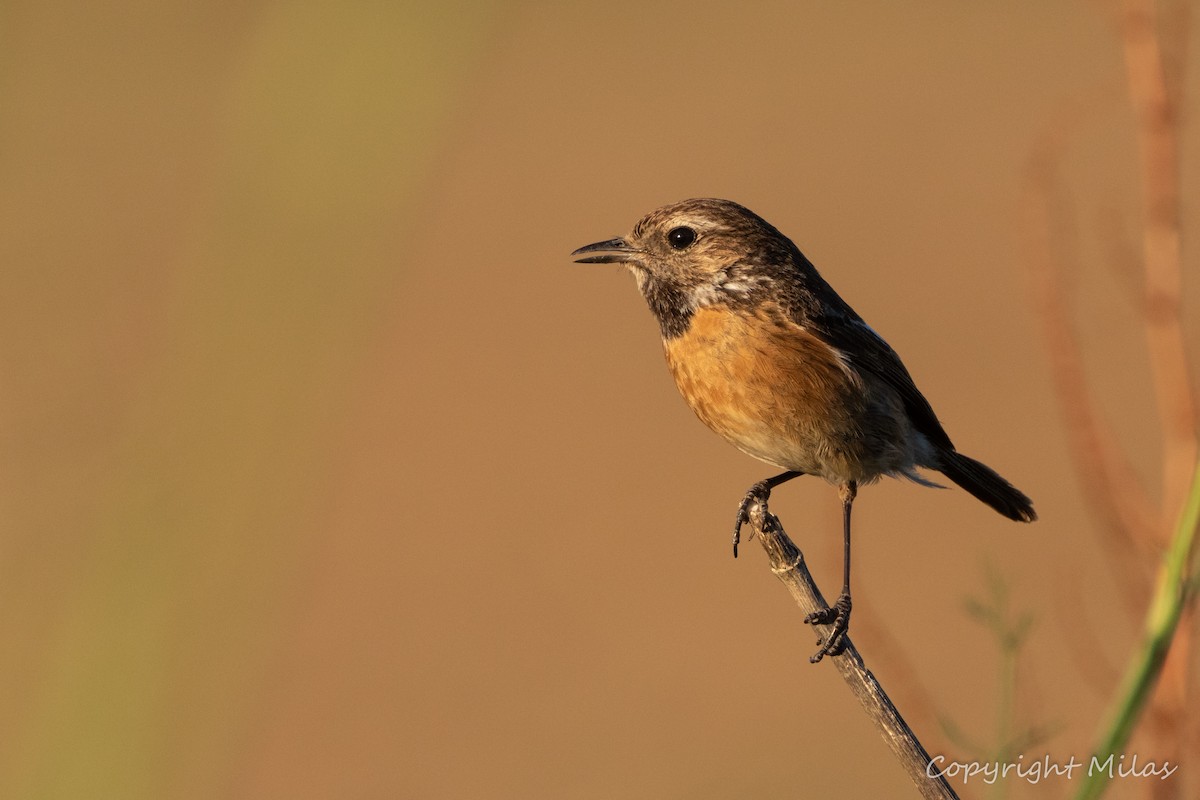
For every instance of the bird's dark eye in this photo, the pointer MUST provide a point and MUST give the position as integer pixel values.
(681, 237)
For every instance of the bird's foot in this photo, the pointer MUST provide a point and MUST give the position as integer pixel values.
(837, 615)
(758, 493)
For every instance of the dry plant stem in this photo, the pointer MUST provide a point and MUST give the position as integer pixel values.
(1157, 102)
(1114, 493)
(1157, 685)
(1158, 144)
(787, 563)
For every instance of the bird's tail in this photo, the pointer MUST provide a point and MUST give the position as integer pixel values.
(983, 482)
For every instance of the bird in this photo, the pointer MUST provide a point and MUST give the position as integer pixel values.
(772, 359)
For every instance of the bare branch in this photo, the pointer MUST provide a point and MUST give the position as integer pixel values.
(787, 562)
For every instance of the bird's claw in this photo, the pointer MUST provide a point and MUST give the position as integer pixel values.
(837, 615)
(758, 493)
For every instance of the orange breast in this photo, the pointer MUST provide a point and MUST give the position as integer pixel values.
(773, 389)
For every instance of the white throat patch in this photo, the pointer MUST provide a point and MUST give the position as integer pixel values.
(719, 288)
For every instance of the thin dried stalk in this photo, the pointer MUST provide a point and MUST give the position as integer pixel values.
(787, 562)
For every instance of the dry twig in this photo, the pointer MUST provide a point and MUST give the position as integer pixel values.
(787, 562)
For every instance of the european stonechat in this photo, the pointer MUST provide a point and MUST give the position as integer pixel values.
(771, 358)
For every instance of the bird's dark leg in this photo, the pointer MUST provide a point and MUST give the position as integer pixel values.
(839, 613)
(759, 493)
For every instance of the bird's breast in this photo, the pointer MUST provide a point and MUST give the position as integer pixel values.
(773, 389)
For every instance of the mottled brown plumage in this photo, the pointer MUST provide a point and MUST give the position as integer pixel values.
(772, 359)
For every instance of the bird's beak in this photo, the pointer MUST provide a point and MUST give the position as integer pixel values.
(614, 251)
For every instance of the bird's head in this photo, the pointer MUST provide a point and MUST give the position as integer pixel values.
(698, 253)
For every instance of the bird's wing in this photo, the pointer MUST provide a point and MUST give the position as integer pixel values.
(864, 349)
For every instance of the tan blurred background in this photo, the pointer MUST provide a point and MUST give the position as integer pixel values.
(325, 473)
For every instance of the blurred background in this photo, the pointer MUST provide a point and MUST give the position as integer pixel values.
(324, 472)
